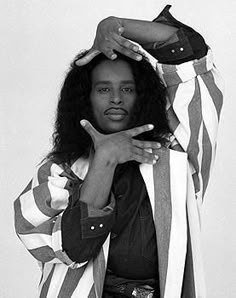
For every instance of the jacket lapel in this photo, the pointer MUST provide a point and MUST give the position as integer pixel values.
(166, 186)
(157, 183)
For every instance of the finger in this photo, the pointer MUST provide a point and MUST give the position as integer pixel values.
(90, 129)
(138, 130)
(88, 57)
(127, 48)
(146, 144)
(129, 53)
(145, 154)
(124, 42)
(110, 54)
(143, 159)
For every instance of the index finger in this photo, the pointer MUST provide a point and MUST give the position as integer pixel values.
(140, 129)
(88, 57)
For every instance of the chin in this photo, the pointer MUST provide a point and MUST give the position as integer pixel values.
(109, 127)
(113, 129)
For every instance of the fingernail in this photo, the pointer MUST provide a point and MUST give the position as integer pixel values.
(82, 51)
(150, 126)
(113, 57)
(82, 122)
(121, 30)
(135, 48)
(156, 156)
(80, 62)
(154, 162)
(139, 58)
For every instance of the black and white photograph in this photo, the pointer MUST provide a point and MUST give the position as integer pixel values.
(118, 149)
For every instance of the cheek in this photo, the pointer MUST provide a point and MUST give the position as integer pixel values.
(95, 104)
(135, 110)
(97, 111)
(97, 114)
(132, 102)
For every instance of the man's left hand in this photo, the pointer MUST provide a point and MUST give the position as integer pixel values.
(109, 39)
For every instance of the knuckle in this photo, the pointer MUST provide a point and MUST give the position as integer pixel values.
(126, 43)
(133, 142)
(141, 145)
(144, 153)
(130, 53)
(131, 150)
(110, 18)
(133, 55)
(103, 22)
(124, 50)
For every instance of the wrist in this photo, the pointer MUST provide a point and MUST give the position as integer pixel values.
(105, 158)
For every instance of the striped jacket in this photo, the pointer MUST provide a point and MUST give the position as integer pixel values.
(176, 185)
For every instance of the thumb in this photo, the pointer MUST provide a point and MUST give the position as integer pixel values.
(94, 134)
(88, 57)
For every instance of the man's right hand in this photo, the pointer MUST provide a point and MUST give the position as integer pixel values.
(120, 147)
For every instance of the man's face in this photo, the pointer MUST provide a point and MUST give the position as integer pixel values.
(113, 95)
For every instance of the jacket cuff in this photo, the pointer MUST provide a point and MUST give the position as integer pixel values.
(185, 45)
(97, 222)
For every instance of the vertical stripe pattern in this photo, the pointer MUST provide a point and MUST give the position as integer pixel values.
(163, 213)
(195, 91)
(178, 228)
(70, 282)
(46, 281)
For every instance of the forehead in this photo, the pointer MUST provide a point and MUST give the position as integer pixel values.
(108, 70)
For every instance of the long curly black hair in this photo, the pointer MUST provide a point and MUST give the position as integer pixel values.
(70, 140)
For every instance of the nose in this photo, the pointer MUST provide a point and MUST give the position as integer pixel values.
(116, 97)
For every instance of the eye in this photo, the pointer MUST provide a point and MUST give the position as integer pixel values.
(103, 90)
(127, 89)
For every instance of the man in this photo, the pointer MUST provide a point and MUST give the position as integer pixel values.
(110, 213)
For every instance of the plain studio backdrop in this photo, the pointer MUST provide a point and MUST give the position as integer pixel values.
(39, 39)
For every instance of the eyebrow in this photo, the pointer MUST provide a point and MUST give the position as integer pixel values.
(108, 82)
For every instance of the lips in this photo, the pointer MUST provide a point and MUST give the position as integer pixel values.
(116, 114)
(116, 111)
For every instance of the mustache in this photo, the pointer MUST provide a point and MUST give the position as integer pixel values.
(107, 111)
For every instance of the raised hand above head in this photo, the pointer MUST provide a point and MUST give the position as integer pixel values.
(109, 39)
(122, 35)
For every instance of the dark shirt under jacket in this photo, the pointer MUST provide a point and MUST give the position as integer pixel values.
(132, 252)
(133, 248)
